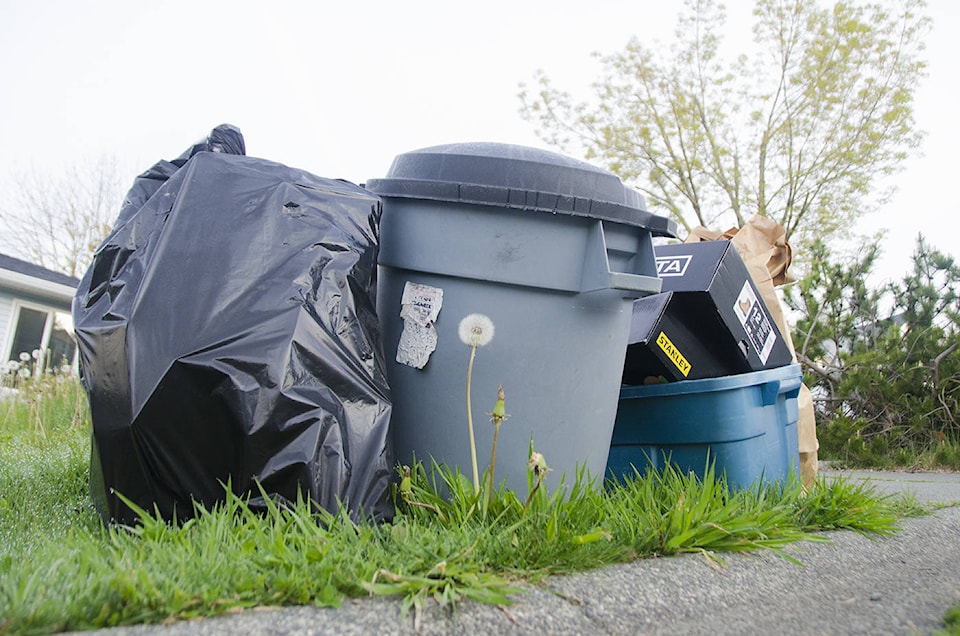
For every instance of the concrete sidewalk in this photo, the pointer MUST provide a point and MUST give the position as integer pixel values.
(853, 585)
(939, 487)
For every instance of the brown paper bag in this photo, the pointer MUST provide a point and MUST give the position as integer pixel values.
(762, 244)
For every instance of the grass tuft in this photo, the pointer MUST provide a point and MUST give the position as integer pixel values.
(951, 622)
(61, 570)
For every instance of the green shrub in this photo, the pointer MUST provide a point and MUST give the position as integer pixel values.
(883, 364)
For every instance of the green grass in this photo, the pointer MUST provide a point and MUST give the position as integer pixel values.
(951, 622)
(61, 570)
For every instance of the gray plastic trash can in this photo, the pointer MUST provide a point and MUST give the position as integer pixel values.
(553, 251)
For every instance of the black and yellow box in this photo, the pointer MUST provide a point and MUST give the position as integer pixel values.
(709, 320)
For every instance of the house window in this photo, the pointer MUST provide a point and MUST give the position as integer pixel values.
(45, 330)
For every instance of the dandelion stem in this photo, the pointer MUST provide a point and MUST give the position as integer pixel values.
(493, 457)
(536, 487)
(473, 441)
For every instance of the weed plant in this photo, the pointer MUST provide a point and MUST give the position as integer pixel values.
(951, 622)
(60, 569)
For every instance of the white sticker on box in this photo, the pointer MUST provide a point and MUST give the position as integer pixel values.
(419, 308)
(758, 327)
(668, 266)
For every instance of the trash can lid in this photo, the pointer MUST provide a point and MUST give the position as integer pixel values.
(511, 176)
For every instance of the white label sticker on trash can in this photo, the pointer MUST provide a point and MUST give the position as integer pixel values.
(420, 306)
(755, 322)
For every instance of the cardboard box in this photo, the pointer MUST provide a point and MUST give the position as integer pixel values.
(709, 320)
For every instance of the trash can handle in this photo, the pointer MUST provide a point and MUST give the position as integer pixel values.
(596, 273)
(771, 390)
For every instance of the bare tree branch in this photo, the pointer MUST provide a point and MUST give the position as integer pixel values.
(57, 221)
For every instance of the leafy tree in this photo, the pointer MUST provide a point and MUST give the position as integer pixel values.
(58, 221)
(800, 128)
(883, 363)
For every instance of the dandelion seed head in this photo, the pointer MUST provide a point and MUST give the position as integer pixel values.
(36, 354)
(476, 330)
(24, 356)
(537, 464)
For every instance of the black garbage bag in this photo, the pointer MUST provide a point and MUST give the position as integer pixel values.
(224, 139)
(228, 336)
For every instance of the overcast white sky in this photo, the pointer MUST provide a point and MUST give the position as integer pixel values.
(340, 88)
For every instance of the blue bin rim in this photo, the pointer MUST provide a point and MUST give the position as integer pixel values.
(708, 385)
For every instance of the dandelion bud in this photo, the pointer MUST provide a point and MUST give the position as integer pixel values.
(499, 409)
(406, 484)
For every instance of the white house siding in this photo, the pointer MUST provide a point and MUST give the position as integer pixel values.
(6, 309)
